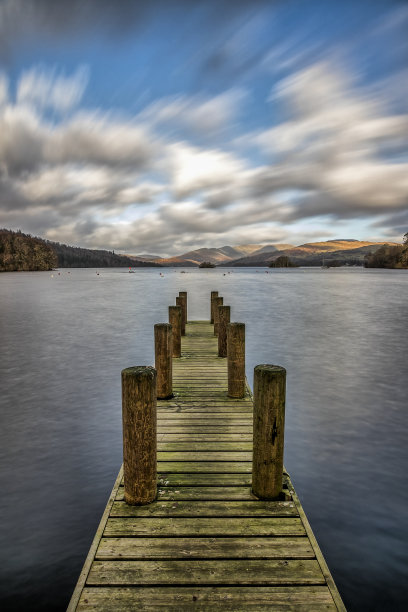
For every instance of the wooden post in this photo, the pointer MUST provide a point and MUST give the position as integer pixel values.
(175, 322)
(163, 349)
(269, 423)
(180, 300)
(139, 414)
(183, 294)
(224, 315)
(214, 294)
(218, 301)
(236, 359)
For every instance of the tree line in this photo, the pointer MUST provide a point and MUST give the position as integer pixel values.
(77, 257)
(388, 256)
(23, 252)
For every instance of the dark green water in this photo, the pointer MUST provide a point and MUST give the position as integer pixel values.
(341, 334)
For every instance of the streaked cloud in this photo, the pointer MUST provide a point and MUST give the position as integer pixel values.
(41, 88)
(195, 168)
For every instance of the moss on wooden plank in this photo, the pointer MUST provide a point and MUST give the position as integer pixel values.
(200, 493)
(189, 467)
(190, 509)
(204, 548)
(215, 571)
(210, 527)
(199, 598)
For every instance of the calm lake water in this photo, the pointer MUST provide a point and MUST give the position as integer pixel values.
(341, 334)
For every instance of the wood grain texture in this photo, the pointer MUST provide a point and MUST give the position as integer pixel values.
(203, 598)
(181, 301)
(224, 316)
(205, 548)
(214, 294)
(268, 430)
(207, 509)
(163, 355)
(209, 527)
(139, 434)
(243, 572)
(218, 301)
(175, 322)
(236, 359)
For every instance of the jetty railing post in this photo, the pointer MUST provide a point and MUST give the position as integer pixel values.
(139, 415)
(180, 300)
(268, 433)
(175, 322)
(224, 316)
(218, 301)
(236, 359)
(163, 349)
(214, 294)
(183, 294)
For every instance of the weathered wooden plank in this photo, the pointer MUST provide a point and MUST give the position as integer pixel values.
(201, 436)
(216, 446)
(198, 375)
(204, 548)
(188, 467)
(187, 408)
(216, 571)
(206, 480)
(181, 418)
(204, 404)
(204, 455)
(210, 527)
(205, 508)
(200, 493)
(228, 599)
(199, 429)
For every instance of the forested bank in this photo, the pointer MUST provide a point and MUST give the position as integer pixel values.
(23, 252)
(387, 256)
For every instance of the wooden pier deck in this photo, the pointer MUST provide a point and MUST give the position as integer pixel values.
(207, 543)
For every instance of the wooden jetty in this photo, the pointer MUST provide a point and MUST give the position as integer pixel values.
(206, 542)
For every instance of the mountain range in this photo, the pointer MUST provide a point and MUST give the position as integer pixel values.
(345, 251)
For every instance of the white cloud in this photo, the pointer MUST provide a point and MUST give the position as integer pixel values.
(93, 137)
(337, 143)
(41, 88)
(197, 115)
(195, 169)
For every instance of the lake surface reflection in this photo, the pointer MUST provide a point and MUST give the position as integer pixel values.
(341, 334)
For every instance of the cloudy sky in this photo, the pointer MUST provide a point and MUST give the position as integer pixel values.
(161, 126)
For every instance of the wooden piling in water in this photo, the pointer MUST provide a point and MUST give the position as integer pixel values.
(139, 414)
(224, 315)
(175, 322)
(214, 294)
(218, 301)
(268, 430)
(180, 300)
(236, 359)
(183, 294)
(163, 349)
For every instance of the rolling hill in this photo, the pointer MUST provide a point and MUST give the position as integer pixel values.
(315, 253)
(220, 256)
